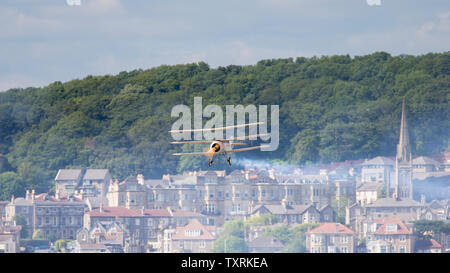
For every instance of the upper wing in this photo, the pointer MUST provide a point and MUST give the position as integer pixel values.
(246, 149)
(198, 153)
(189, 142)
(243, 138)
(216, 129)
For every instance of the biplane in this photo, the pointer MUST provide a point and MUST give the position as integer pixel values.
(219, 147)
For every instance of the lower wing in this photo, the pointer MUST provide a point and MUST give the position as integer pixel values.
(204, 153)
(247, 149)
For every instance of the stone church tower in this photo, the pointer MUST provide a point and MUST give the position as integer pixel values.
(403, 162)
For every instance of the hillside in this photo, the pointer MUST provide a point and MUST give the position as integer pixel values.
(331, 109)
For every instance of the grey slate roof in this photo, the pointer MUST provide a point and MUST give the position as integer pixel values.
(370, 186)
(423, 160)
(389, 202)
(95, 174)
(379, 160)
(280, 209)
(66, 174)
(265, 242)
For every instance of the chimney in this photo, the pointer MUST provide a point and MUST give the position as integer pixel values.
(422, 199)
(101, 207)
(142, 211)
(140, 179)
(57, 194)
(32, 195)
(27, 195)
(12, 198)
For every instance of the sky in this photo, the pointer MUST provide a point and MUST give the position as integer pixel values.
(42, 41)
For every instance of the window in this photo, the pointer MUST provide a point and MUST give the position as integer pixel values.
(47, 220)
(391, 227)
(202, 244)
(293, 218)
(402, 249)
(263, 193)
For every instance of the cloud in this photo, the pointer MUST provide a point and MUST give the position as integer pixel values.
(50, 40)
(433, 36)
(443, 25)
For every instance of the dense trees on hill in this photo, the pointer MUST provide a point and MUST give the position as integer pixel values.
(331, 109)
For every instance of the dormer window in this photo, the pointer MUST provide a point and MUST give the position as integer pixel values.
(192, 232)
(391, 227)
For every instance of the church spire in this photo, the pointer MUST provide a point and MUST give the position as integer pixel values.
(403, 147)
(403, 163)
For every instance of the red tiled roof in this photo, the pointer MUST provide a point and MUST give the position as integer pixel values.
(156, 212)
(125, 212)
(114, 212)
(383, 222)
(194, 224)
(332, 228)
(92, 246)
(435, 244)
(428, 244)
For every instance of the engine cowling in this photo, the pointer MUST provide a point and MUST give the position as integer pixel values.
(216, 146)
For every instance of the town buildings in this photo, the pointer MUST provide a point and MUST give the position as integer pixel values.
(389, 235)
(9, 237)
(331, 238)
(58, 217)
(191, 238)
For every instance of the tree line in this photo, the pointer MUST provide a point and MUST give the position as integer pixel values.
(332, 108)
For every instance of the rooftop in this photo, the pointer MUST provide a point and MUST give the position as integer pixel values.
(68, 174)
(423, 160)
(203, 232)
(379, 160)
(331, 228)
(96, 174)
(390, 202)
(391, 226)
(280, 209)
(265, 242)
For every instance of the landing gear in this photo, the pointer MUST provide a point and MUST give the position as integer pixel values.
(210, 162)
(229, 161)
